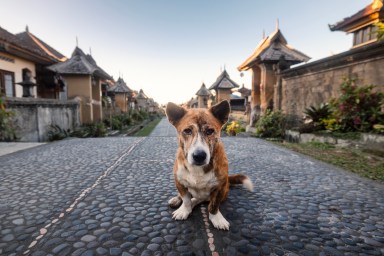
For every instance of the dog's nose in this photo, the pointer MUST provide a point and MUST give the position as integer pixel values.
(199, 156)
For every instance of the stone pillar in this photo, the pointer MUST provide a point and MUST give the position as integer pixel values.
(268, 81)
(255, 94)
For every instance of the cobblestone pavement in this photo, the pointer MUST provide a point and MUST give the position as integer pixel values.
(109, 197)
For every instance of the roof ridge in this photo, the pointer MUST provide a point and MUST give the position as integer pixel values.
(42, 46)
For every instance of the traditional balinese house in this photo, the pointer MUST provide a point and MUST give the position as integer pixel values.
(142, 100)
(23, 58)
(83, 78)
(121, 94)
(271, 56)
(202, 97)
(240, 103)
(223, 87)
(362, 24)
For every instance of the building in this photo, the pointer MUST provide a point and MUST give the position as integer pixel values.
(223, 87)
(203, 97)
(362, 24)
(292, 90)
(84, 79)
(142, 101)
(271, 56)
(23, 61)
(121, 95)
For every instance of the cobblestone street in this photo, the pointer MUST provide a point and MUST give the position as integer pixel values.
(109, 196)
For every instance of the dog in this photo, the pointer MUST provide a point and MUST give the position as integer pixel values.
(201, 165)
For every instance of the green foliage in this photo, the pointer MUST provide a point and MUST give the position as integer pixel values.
(380, 30)
(57, 133)
(271, 125)
(234, 127)
(138, 115)
(317, 114)
(7, 128)
(357, 109)
(96, 129)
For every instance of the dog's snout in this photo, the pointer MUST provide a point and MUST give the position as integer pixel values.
(199, 156)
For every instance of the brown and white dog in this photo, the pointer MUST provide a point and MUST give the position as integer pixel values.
(201, 165)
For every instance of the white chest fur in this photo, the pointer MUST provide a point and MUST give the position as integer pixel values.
(199, 183)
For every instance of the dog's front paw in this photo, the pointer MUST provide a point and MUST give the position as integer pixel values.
(182, 213)
(219, 221)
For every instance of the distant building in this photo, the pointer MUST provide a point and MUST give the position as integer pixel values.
(121, 94)
(142, 101)
(83, 78)
(223, 87)
(203, 97)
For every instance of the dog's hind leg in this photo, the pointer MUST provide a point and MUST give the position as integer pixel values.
(175, 202)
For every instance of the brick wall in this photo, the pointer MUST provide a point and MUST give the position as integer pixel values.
(317, 82)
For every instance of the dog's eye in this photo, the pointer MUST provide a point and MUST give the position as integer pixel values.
(187, 131)
(209, 131)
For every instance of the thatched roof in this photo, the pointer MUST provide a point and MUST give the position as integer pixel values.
(141, 95)
(203, 91)
(272, 48)
(120, 87)
(223, 82)
(28, 46)
(79, 64)
(30, 40)
(244, 91)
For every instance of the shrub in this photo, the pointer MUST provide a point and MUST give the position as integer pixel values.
(7, 127)
(57, 133)
(358, 108)
(234, 127)
(137, 116)
(90, 130)
(271, 125)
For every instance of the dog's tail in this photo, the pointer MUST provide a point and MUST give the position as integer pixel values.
(241, 179)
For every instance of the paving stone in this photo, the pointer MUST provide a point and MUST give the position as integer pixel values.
(299, 206)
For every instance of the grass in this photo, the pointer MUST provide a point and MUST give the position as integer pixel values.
(146, 130)
(354, 160)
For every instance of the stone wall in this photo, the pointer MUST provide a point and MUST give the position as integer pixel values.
(319, 81)
(34, 116)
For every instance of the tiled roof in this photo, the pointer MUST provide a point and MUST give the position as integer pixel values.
(272, 48)
(80, 64)
(223, 82)
(120, 87)
(203, 91)
(373, 11)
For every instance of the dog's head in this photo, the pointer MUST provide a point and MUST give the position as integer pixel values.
(198, 130)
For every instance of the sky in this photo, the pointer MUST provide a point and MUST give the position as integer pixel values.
(169, 48)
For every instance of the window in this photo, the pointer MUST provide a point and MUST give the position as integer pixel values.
(7, 83)
(364, 35)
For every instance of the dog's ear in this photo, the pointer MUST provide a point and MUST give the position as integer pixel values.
(174, 113)
(221, 111)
